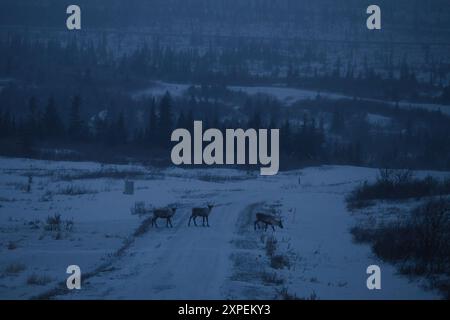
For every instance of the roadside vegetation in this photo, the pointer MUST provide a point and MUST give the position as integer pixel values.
(417, 243)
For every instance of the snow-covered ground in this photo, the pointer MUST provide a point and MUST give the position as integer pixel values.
(160, 88)
(289, 96)
(378, 120)
(228, 260)
(286, 95)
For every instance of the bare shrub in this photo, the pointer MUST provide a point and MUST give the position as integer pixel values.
(271, 278)
(385, 175)
(73, 190)
(14, 268)
(279, 262)
(423, 239)
(57, 226)
(110, 173)
(12, 245)
(430, 224)
(221, 179)
(403, 176)
(284, 294)
(419, 244)
(395, 185)
(38, 280)
(271, 246)
(53, 223)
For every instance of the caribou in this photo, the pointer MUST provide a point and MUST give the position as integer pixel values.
(267, 219)
(163, 213)
(201, 212)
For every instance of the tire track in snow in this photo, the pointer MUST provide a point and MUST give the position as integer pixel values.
(61, 288)
(248, 261)
(176, 263)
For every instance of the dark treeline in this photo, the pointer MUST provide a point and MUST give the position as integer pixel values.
(46, 131)
(318, 131)
(77, 96)
(403, 138)
(99, 64)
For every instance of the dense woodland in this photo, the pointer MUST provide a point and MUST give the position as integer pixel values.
(321, 131)
(73, 96)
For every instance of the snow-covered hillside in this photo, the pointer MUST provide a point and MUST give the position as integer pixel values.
(227, 260)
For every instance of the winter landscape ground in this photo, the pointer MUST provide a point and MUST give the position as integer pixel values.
(122, 257)
(361, 126)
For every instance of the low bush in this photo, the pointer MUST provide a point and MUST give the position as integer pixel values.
(271, 246)
(38, 280)
(396, 185)
(271, 278)
(12, 245)
(57, 226)
(14, 268)
(284, 294)
(73, 190)
(109, 173)
(420, 243)
(279, 262)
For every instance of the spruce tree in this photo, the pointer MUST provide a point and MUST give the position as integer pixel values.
(120, 129)
(165, 120)
(52, 123)
(152, 126)
(31, 123)
(75, 122)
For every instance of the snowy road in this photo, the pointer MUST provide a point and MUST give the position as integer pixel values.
(178, 263)
(173, 263)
